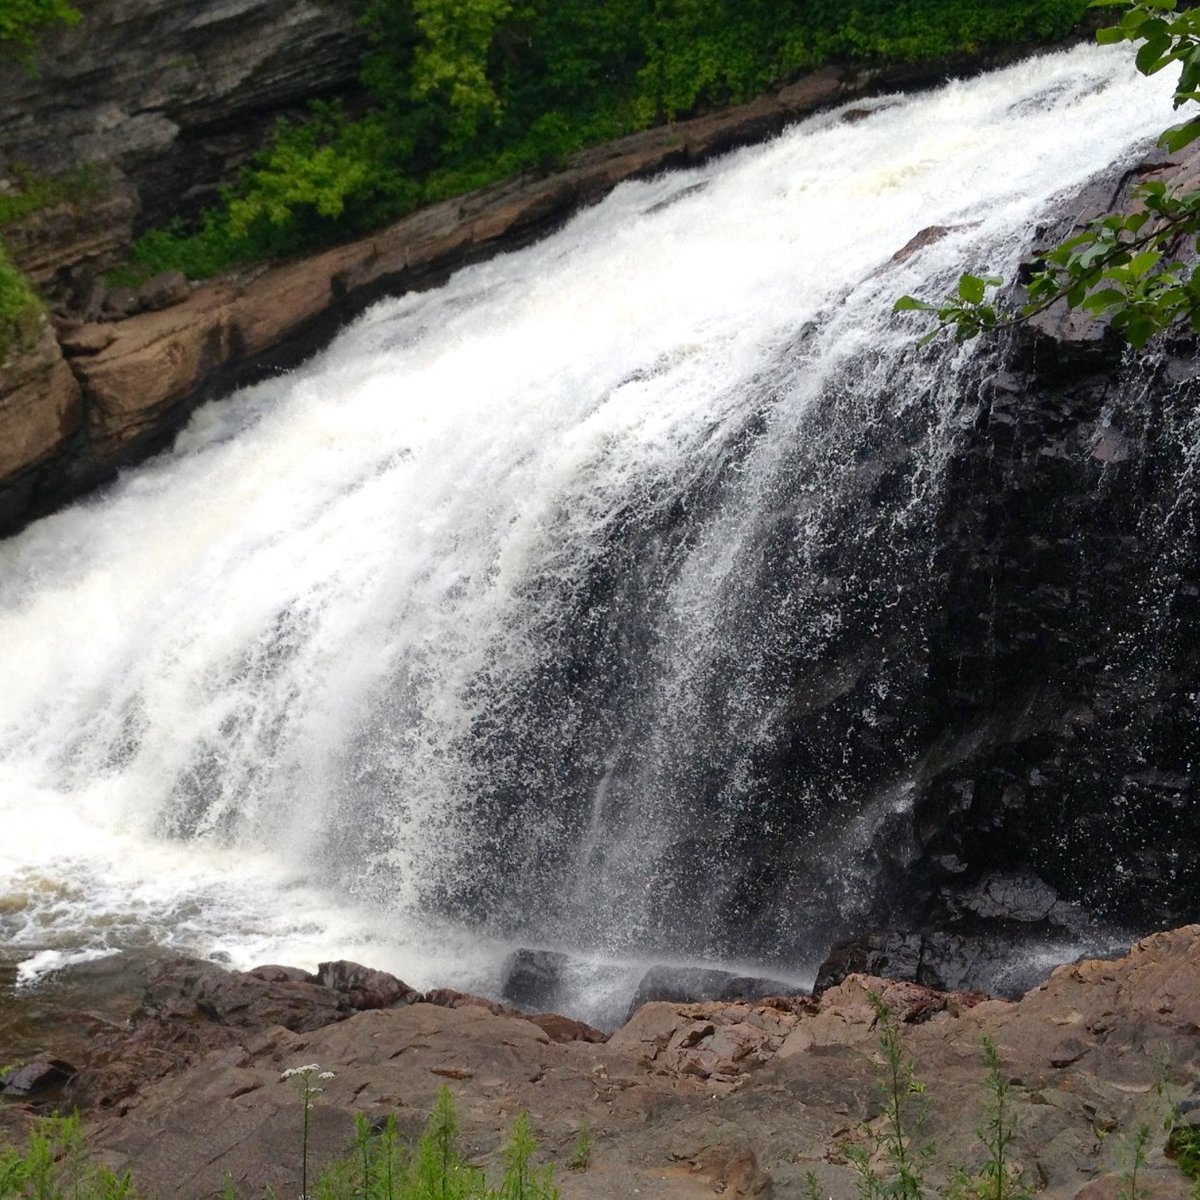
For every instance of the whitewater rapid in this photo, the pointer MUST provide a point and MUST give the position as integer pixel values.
(244, 688)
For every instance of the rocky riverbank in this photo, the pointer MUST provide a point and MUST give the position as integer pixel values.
(130, 365)
(742, 1098)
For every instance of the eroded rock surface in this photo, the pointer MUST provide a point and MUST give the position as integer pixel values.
(686, 1098)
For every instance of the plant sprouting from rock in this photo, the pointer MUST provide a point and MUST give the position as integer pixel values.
(998, 1178)
(311, 1076)
(903, 1112)
(1136, 268)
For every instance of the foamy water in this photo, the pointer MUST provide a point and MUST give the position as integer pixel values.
(243, 689)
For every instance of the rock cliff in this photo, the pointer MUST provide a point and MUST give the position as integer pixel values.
(157, 103)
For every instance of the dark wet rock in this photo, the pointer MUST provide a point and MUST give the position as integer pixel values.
(533, 978)
(927, 237)
(681, 985)
(363, 988)
(891, 955)
(996, 957)
(271, 973)
(747, 987)
(33, 1078)
(195, 988)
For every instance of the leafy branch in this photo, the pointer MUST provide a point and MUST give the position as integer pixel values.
(1128, 267)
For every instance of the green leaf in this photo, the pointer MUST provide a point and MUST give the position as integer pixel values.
(1106, 298)
(1110, 35)
(1179, 136)
(913, 304)
(1141, 264)
(971, 289)
(1154, 55)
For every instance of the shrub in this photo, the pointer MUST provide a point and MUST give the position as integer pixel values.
(22, 20)
(470, 91)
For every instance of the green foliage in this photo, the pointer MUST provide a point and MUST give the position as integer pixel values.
(53, 1165)
(903, 1112)
(581, 1153)
(1183, 1145)
(381, 1167)
(1138, 268)
(22, 20)
(20, 309)
(998, 1178)
(466, 92)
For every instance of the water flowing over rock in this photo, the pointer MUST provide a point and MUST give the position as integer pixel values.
(647, 594)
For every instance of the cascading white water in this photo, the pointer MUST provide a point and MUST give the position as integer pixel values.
(454, 619)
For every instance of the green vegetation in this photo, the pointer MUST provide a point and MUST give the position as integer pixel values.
(890, 1164)
(465, 92)
(903, 1113)
(54, 1166)
(1137, 268)
(20, 309)
(22, 20)
(581, 1154)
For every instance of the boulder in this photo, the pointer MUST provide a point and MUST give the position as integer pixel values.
(533, 978)
(891, 955)
(193, 988)
(566, 1029)
(361, 988)
(681, 985)
(36, 1077)
(749, 987)
(163, 290)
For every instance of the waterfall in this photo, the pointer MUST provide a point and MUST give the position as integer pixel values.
(491, 623)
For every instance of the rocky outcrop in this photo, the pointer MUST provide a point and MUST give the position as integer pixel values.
(144, 109)
(685, 1099)
(173, 143)
(142, 376)
(40, 412)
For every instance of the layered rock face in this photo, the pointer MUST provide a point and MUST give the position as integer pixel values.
(157, 104)
(141, 375)
(1062, 716)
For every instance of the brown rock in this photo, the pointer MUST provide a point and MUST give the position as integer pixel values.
(51, 241)
(39, 404)
(122, 302)
(191, 988)
(565, 1029)
(735, 1172)
(449, 998)
(163, 290)
(156, 359)
(271, 973)
(362, 988)
(86, 339)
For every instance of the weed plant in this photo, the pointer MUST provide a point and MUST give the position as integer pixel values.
(53, 1165)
